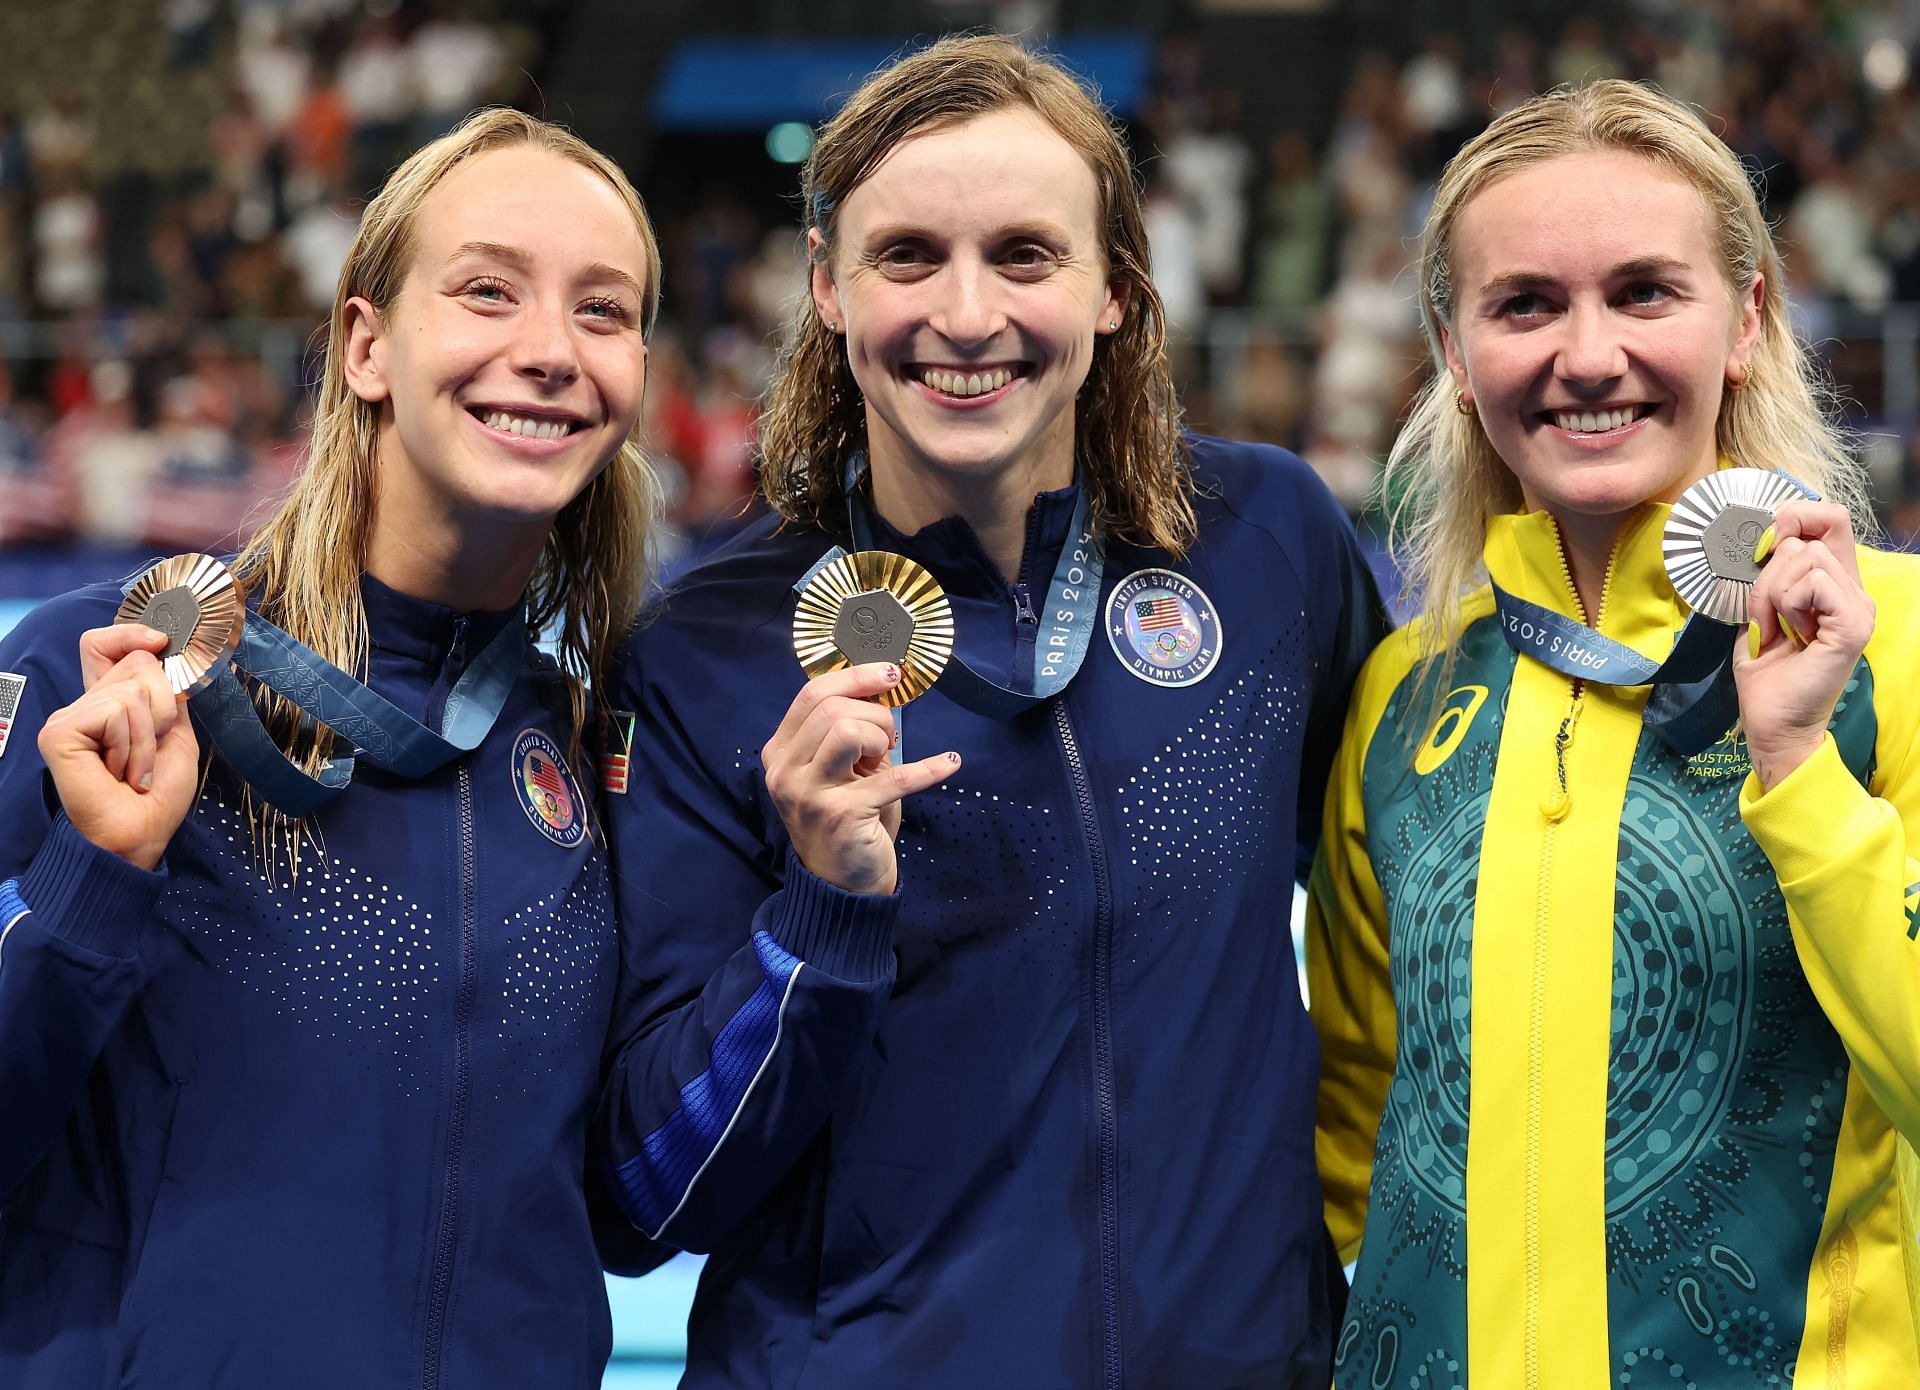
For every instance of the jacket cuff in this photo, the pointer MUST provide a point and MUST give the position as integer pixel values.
(846, 935)
(1817, 807)
(86, 895)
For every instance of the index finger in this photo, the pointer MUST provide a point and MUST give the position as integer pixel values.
(1820, 521)
(102, 648)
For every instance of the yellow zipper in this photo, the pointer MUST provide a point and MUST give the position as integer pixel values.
(1559, 801)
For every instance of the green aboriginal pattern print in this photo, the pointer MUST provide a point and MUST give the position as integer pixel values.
(1725, 1083)
(1406, 1321)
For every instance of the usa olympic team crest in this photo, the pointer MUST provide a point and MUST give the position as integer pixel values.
(1163, 627)
(548, 793)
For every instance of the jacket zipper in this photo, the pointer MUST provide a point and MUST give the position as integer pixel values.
(439, 1289)
(1559, 801)
(1102, 1025)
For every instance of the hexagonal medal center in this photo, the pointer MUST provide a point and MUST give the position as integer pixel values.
(873, 626)
(175, 612)
(1729, 540)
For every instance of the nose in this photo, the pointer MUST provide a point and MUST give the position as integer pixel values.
(1592, 349)
(543, 349)
(970, 312)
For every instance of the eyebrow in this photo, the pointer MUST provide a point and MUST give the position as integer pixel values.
(514, 255)
(898, 231)
(1520, 280)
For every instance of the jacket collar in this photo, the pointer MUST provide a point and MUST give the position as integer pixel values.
(950, 549)
(413, 628)
(1525, 557)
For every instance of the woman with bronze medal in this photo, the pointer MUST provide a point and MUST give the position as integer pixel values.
(1611, 946)
(302, 998)
(1010, 1085)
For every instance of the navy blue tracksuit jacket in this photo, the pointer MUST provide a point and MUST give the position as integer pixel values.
(1045, 1118)
(324, 1134)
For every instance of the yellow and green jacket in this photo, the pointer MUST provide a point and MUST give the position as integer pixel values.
(1620, 1076)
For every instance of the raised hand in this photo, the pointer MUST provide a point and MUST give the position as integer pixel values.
(1810, 621)
(123, 756)
(827, 771)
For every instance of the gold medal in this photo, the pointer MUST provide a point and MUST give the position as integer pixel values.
(200, 606)
(874, 605)
(1711, 535)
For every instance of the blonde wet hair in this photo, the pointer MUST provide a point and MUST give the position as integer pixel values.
(305, 563)
(1443, 470)
(1127, 419)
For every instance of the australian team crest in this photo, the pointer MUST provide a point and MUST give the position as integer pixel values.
(1163, 628)
(548, 793)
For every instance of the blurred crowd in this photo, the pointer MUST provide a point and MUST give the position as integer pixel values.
(1289, 269)
(160, 277)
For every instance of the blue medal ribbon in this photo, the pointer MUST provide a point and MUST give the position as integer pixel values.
(1693, 701)
(379, 731)
(1073, 602)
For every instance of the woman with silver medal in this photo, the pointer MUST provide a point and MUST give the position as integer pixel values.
(1007, 1083)
(302, 1011)
(1610, 940)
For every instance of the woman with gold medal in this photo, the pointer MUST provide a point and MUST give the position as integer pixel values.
(1611, 944)
(298, 1042)
(1011, 1084)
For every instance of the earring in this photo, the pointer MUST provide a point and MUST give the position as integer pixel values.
(1113, 325)
(1739, 383)
(1461, 403)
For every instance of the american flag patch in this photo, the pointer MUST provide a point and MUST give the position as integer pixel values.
(616, 749)
(1155, 614)
(545, 775)
(12, 687)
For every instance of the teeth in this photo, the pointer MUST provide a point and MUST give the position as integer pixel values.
(1591, 422)
(965, 384)
(525, 426)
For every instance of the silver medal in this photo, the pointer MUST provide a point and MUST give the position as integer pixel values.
(1710, 538)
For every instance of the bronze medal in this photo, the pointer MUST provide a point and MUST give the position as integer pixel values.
(874, 605)
(196, 601)
(1711, 535)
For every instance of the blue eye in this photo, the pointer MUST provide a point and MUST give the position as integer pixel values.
(486, 288)
(610, 309)
(1648, 294)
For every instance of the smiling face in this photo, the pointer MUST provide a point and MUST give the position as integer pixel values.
(968, 277)
(1594, 332)
(509, 368)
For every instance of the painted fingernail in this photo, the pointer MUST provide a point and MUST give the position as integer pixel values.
(893, 675)
(1799, 640)
(1765, 547)
(1753, 640)
(894, 741)
(954, 758)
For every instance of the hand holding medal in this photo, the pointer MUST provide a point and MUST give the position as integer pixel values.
(872, 630)
(1753, 548)
(123, 757)
(1809, 583)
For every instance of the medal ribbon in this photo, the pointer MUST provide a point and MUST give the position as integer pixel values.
(1693, 701)
(1073, 601)
(380, 731)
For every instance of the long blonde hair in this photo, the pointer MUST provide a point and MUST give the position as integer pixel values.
(1127, 419)
(306, 561)
(1443, 469)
